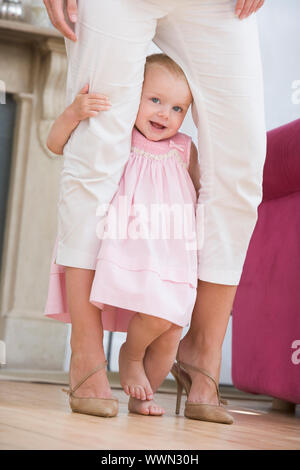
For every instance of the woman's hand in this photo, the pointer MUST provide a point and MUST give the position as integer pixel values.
(87, 105)
(57, 17)
(244, 8)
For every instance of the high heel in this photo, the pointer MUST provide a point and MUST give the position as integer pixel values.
(179, 395)
(200, 411)
(105, 407)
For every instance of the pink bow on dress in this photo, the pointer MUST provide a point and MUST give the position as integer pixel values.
(176, 146)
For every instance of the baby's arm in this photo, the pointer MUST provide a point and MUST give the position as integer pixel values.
(194, 168)
(61, 130)
(84, 105)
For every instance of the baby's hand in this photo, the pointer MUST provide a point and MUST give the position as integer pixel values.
(88, 104)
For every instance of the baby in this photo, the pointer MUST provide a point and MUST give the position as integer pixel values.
(148, 286)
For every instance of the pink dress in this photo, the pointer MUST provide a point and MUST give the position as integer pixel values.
(147, 261)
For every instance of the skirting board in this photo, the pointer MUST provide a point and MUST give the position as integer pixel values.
(62, 378)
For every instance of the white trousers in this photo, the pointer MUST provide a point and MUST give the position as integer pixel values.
(220, 56)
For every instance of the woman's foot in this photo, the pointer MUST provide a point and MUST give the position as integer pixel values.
(146, 407)
(96, 386)
(202, 389)
(133, 378)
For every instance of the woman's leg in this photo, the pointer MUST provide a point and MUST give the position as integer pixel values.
(220, 55)
(87, 335)
(202, 345)
(113, 40)
(110, 53)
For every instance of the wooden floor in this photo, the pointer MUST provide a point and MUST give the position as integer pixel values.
(37, 416)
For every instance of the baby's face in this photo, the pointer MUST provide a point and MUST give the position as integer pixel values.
(164, 103)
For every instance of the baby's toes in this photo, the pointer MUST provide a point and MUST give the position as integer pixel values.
(156, 410)
(143, 394)
(138, 391)
(126, 389)
(132, 391)
(149, 392)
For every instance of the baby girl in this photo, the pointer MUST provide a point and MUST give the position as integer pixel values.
(144, 284)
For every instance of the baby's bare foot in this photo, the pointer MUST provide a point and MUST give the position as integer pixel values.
(132, 376)
(146, 407)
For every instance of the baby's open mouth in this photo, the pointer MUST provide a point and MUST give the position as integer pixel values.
(156, 125)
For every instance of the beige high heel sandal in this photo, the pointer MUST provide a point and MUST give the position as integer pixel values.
(200, 411)
(105, 407)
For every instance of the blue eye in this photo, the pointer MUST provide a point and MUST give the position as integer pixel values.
(177, 108)
(153, 99)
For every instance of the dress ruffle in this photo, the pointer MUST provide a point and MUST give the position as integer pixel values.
(122, 295)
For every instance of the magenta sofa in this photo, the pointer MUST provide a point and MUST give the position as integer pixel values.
(266, 309)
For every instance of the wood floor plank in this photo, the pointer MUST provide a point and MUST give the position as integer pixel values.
(37, 416)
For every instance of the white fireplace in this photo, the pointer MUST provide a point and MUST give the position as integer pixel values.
(33, 71)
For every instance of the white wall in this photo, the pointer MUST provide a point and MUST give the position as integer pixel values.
(280, 48)
(280, 45)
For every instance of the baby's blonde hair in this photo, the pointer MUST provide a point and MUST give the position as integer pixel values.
(165, 61)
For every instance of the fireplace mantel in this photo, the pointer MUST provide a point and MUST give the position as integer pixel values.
(33, 69)
(19, 31)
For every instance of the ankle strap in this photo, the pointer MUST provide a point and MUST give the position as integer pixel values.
(204, 372)
(99, 367)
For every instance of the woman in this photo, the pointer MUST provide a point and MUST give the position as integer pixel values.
(220, 56)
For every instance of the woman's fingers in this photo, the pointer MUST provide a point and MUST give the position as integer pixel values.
(239, 7)
(254, 7)
(260, 4)
(72, 10)
(244, 8)
(56, 14)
